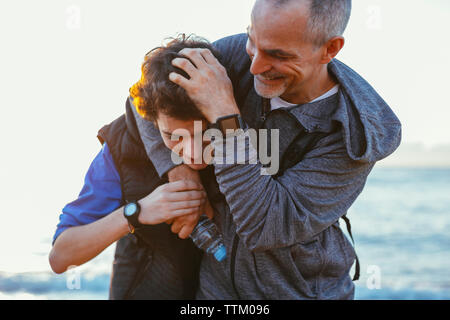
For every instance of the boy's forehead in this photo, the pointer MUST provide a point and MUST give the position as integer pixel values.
(168, 124)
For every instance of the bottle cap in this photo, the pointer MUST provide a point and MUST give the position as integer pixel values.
(221, 253)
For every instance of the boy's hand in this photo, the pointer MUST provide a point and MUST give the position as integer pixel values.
(185, 224)
(172, 200)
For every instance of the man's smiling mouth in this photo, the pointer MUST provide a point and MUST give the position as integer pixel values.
(269, 80)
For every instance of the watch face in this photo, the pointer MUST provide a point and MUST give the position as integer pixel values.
(130, 209)
(229, 124)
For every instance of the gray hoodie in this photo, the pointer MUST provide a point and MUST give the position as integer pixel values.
(282, 232)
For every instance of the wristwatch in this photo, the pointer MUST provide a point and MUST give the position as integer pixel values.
(231, 122)
(131, 212)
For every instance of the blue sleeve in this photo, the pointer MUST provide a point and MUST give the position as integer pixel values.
(100, 195)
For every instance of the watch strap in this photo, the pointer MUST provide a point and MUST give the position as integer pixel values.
(133, 220)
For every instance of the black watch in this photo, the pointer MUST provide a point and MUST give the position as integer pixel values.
(131, 211)
(231, 122)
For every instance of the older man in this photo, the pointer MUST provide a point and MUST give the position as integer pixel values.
(282, 230)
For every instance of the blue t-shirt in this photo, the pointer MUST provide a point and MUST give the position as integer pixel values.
(101, 194)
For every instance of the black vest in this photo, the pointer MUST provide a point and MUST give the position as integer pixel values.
(154, 263)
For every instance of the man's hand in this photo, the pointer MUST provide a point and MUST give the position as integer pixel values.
(185, 224)
(209, 86)
(172, 200)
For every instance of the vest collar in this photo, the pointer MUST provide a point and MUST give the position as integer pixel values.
(130, 121)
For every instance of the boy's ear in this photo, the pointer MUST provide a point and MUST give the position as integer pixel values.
(154, 121)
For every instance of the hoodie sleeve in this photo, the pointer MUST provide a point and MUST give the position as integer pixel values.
(294, 207)
(157, 152)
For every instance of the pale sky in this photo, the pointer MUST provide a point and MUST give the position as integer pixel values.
(66, 67)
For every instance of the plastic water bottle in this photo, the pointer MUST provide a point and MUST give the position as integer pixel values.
(206, 237)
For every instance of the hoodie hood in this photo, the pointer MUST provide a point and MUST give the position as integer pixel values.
(371, 129)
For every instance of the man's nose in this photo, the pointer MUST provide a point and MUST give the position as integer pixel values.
(259, 64)
(192, 150)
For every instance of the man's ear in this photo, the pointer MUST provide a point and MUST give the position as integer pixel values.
(331, 49)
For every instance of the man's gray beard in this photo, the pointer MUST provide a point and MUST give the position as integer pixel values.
(269, 95)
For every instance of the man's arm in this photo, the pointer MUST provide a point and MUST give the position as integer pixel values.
(233, 58)
(297, 206)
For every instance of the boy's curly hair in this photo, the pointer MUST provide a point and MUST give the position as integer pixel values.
(155, 93)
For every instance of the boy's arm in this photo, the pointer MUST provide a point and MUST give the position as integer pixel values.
(77, 245)
(88, 226)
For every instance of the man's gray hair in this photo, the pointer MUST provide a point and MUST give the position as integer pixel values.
(328, 19)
